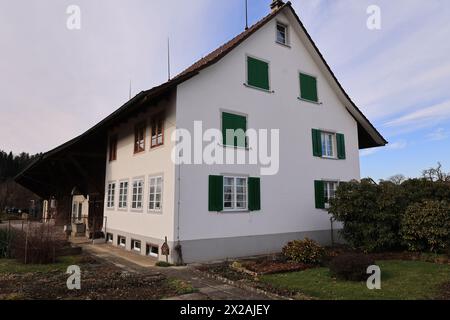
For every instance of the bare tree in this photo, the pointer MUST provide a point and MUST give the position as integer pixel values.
(397, 179)
(436, 174)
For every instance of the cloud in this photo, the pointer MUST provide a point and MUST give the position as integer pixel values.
(438, 134)
(57, 83)
(368, 152)
(389, 71)
(398, 145)
(424, 117)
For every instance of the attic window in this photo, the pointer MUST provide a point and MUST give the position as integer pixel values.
(113, 148)
(282, 34)
(157, 132)
(139, 138)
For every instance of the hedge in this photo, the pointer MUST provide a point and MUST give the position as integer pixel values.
(372, 214)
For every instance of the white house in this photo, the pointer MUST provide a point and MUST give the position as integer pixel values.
(270, 77)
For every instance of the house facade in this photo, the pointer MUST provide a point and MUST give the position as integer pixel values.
(270, 77)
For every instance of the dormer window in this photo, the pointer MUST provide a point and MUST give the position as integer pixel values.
(282, 34)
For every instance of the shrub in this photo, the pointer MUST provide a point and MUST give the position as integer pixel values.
(351, 266)
(370, 213)
(303, 251)
(163, 264)
(426, 226)
(39, 246)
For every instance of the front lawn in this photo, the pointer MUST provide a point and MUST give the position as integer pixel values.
(400, 280)
(12, 266)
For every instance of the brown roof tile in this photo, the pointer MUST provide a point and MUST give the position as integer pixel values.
(223, 50)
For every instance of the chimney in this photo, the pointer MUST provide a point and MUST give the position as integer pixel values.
(276, 4)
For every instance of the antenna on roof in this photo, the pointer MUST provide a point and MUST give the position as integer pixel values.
(130, 90)
(168, 58)
(246, 14)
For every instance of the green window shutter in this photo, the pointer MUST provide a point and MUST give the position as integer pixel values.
(319, 194)
(254, 194)
(258, 73)
(317, 142)
(308, 87)
(340, 139)
(215, 202)
(234, 122)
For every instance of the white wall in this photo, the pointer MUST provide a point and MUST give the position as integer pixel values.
(288, 197)
(152, 162)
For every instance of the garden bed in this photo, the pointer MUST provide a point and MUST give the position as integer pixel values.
(249, 279)
(99, 281)
(262, 267)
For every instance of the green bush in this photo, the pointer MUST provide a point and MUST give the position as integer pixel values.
(303, 251)
(426, 226)
(371, 214)
(163, 264)
(352, 266)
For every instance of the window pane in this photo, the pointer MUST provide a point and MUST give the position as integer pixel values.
(240, 204)
(281, 34)
(228, 181)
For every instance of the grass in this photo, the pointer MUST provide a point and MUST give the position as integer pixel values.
(12, 266)
(181, 286)
(400, 280)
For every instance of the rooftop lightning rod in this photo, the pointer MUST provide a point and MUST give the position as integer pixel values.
(130, 91)
(246, 14)
(168, 58)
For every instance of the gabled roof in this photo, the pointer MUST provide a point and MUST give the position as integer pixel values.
(367, 133)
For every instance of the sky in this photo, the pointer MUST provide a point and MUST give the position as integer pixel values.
(56, 82)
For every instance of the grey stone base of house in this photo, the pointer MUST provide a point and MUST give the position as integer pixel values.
(207, 250)
(130, 237)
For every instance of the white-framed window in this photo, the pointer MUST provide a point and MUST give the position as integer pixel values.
(328, 140)
(155, 193)
(136, 245)
(121, 241)
(109, 237)
(152, 250)
(74, 209)
(137, 194)
(110, 195)
(329, 189)
(282, 33)
(123, 194)
(235, 196)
